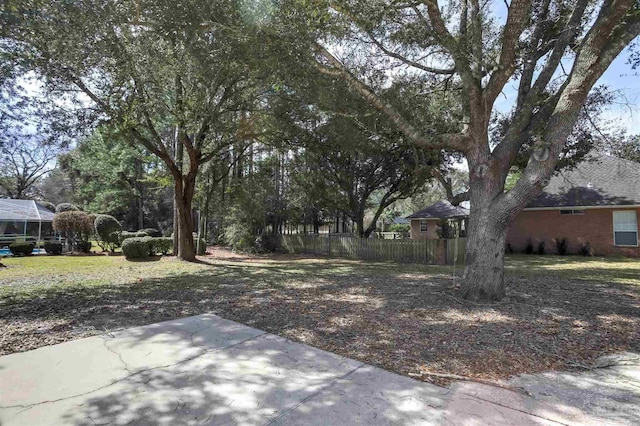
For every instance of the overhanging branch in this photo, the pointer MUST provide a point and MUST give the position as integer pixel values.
(456, 141)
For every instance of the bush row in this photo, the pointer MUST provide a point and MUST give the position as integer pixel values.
(148, 232)
(53, 247)
(562, 247)
(142, 247)
(50, 247)
(21, 248)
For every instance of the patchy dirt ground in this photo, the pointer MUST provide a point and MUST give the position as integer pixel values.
(404, 318)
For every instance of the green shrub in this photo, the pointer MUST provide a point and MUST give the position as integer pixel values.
(152, 232)
(529, 247)
(82, 246)
(53, 247)
(562, 245)
(21, 249)
(76, 226)
(126, 234)
(541, 247)
(66, 207)
(266, 243)
(162, 245)
(107, 231)
(585, 249)
(47, 205)
(240, 235)
(399, 227)
(137, 248)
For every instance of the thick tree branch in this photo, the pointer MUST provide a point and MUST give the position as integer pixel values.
(408, 61)
(615, 27)
(449, 42)
(529, 98)
(517, 20)
(458, 142)
(534, 53)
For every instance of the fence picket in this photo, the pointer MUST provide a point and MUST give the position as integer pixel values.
(404, 251)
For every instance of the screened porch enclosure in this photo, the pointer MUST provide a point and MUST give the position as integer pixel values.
(24, 220)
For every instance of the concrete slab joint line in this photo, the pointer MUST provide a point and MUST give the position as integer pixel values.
(316, 393)
(208, 370)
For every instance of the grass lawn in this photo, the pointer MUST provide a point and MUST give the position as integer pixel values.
(559, 313)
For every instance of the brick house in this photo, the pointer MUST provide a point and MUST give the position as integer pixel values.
(597, 203)
(426, 223)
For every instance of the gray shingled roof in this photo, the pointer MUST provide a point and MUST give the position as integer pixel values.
(440, 210)
(600, 180)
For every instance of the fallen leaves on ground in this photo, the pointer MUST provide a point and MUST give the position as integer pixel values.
(404, 318)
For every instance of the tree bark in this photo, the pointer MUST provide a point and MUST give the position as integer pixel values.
(139, 188)
(183, 200)
(179, 155)
(360, 225)
(545, 121)
(483, 278)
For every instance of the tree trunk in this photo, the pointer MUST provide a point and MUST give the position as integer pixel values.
(316, 222)
(179, 153)
(186, 248)
(360, 225)
(138, 185)
(483, 278)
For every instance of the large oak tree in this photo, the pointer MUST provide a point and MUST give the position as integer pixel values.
(172, 77)
(552, 51)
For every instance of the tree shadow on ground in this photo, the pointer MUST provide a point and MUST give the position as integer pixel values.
(228, 374)
(403, 318)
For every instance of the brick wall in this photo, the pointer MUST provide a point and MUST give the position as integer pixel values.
(594, 226)
(432, 227)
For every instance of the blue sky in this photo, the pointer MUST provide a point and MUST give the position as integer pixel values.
(620, 78)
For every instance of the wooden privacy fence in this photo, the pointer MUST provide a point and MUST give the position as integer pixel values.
(403, 251)
(456, 250)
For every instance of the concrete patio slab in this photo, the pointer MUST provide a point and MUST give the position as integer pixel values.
(57, 372)
(171, 342)
(207, 370)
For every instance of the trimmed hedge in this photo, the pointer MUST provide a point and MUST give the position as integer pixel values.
(126, 234)
(82, 246)
(108, 231)
(142, 247)
(141, 234)
(137, 247)
(21, 249)
(76, 226)
(47, 205)
(66, 207)
(152, 232)
(162, 245)
(53, 247)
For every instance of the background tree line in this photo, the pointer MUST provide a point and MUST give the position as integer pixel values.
(264, 116)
